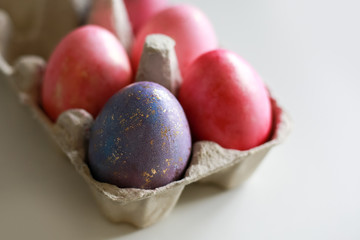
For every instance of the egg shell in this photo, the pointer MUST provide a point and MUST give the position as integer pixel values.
(112, 15)
(140, 11)
(141, 138)
(87, 67)
(188, 26)
(226, 101)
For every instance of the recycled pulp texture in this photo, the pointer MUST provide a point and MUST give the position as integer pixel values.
(210, 162)
(159, 53)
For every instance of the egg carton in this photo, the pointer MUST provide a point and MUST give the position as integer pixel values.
(209, 162)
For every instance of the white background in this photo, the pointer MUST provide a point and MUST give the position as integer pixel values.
(307, 188)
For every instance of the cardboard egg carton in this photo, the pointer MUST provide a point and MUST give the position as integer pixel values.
(209, 161)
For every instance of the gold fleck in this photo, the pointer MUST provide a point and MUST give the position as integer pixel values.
(134, 115)
(156, 93)
(99, 131)
(153, 171)
(168, 160)
(115, 157)
(164, 132)
(152, 142)
(147, 177)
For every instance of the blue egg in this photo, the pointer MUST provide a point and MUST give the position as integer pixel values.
(140, 139)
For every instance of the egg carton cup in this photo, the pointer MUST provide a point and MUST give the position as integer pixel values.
(209, 162)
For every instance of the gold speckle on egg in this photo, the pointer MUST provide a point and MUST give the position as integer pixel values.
(157, 94)
(160, 108)
(99, 131)
(104, 121)
(164, 132)
(134, 115)
(147, 176)
(168, 161)
(146, 86)
(149, 101)
(113, 158)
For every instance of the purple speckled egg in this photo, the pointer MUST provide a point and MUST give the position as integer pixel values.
(140, 139)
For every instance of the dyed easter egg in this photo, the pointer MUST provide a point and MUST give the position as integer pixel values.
(226, 101)
(140, 11)
(87, 67)
(188, 26)
(140, 139)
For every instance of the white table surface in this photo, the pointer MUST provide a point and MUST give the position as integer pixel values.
(308, 52)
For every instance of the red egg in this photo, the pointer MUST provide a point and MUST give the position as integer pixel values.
(187, 25)
(87, 67)
(226, 101)
(140, 11)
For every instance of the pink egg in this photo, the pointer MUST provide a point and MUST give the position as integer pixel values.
(140, 11)
(87, 67)
(226, 101)
(187, 25)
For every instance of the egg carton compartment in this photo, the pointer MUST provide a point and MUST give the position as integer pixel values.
(209, 162)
